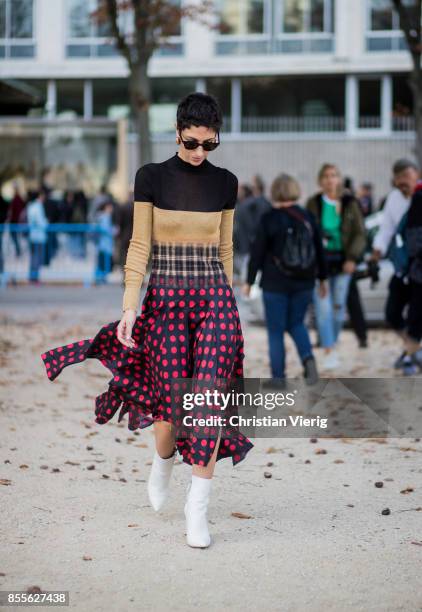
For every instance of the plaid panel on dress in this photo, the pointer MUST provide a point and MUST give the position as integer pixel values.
(195, 264)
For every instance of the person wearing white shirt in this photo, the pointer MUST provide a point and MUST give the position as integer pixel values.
(405, 177)
(396, 205)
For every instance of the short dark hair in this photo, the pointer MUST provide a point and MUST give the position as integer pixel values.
(403, 164)
(33, 194)
(198, 109)
(38, 192)
(104, 205)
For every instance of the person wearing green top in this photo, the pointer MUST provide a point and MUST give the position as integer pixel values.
(344, 238)
(331, 223)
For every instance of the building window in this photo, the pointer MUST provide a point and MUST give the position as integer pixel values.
(305, 26)
(86, 37)
(403, 103)
(369, 102)
(244, 27)
(174, 44)
(293, 103)
(381, 15)
(17, 39)
(383, 31)
(220, 87)
(70, 98)
(110, 98)
(165, 96)
(304, 16)
(240, 17)
(275, 26)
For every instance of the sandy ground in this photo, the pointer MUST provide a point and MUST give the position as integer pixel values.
(75, 512)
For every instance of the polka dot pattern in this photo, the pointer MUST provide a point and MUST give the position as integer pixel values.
(183, 332)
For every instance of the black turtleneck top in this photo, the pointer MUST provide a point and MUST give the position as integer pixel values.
(179, 203)
(175, 184)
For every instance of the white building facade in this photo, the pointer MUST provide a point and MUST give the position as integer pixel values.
(300, 82)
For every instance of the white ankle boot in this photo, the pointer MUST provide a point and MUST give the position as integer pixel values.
(159, 479)
(197, 534)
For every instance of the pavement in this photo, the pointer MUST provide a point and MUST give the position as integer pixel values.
(315, 533)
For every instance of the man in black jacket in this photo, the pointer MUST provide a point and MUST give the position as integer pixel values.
(413, 240)
(246, 220)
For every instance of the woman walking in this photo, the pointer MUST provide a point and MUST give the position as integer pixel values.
(189, 327)
(288, 249)
(344, 237)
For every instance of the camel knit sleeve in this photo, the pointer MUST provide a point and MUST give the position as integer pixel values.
(226, 242)
(138, 254)
(140, 243)
(226, 227)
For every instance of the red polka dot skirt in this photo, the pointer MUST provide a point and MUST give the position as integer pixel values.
(188, 338)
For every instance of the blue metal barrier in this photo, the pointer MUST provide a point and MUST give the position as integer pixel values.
(71, 252)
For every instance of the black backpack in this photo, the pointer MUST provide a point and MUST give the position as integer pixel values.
(295, 254)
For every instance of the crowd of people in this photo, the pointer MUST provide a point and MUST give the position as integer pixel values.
(314, 252)
(40, 217)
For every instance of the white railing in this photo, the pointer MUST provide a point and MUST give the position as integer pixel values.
(370, 123)
(404, 124)
(293, 124)
(271, 124)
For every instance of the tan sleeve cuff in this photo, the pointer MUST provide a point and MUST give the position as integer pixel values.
(226, 242)
(138, 254)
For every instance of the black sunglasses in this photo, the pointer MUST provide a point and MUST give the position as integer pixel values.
(207, 145)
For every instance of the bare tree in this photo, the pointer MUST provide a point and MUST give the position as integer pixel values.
(151, 23)
(410, 22)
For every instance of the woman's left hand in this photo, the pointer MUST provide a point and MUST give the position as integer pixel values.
(349, 266)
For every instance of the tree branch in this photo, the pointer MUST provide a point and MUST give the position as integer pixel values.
(141, 19)
(411, 30)
(122, 45)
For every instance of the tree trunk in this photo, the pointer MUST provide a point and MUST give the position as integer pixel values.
(140, 98)
(416, 84)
